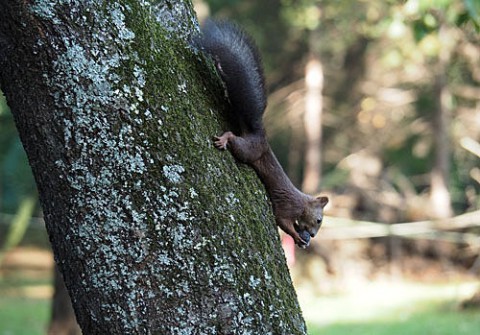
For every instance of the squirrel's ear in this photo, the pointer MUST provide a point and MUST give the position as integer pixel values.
(323, 201)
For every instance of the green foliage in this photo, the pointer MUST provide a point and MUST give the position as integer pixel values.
(304, 14)
(473, 9)
(3, 105)
(16, 177)
(16, 180)
(423, 26)
(17, 187)
(19, 225)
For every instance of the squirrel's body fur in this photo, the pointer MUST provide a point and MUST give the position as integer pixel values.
(238, 62)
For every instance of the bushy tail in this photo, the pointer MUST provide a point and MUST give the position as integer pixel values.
(239, 64)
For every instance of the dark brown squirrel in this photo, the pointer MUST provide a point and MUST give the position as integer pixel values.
(238, 62)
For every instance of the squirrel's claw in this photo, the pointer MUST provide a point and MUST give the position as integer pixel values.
(289, 227)
(220, 143)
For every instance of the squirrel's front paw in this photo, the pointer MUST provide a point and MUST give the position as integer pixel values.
(221, 142)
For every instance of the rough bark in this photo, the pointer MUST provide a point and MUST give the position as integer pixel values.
(154, 231)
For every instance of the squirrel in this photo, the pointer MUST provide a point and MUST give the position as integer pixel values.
(238, 63)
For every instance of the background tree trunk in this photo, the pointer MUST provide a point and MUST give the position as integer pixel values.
(312, 119)
(62, 320)
(313, 125)
(440, 199)
(153, 230)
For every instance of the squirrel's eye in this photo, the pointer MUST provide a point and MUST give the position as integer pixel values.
(319, 221)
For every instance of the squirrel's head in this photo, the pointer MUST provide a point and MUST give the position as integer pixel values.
(310, 221)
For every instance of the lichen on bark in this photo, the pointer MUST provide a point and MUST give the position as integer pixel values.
(154, 230)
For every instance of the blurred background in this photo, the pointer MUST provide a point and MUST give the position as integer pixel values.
(374, 103)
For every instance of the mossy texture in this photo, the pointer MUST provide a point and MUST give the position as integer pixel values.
(156, 232)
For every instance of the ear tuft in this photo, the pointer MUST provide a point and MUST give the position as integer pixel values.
(323, 201)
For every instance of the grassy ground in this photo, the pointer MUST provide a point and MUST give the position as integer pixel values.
(376, 308)
(427, 322)
(23, 316)
(25, 291)
(393, 308)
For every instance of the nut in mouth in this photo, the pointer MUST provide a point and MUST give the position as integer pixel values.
(304, 236)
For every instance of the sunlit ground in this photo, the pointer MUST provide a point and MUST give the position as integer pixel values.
(381, 307)
(393, 308)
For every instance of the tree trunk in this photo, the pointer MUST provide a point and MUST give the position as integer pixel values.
(312, 119)
(313, 125)
(440, 200)
(154, 231)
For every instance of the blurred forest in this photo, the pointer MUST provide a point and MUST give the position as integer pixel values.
(376, 103)
(400, 119)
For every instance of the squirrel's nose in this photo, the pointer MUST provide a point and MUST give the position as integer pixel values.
(312, 232)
